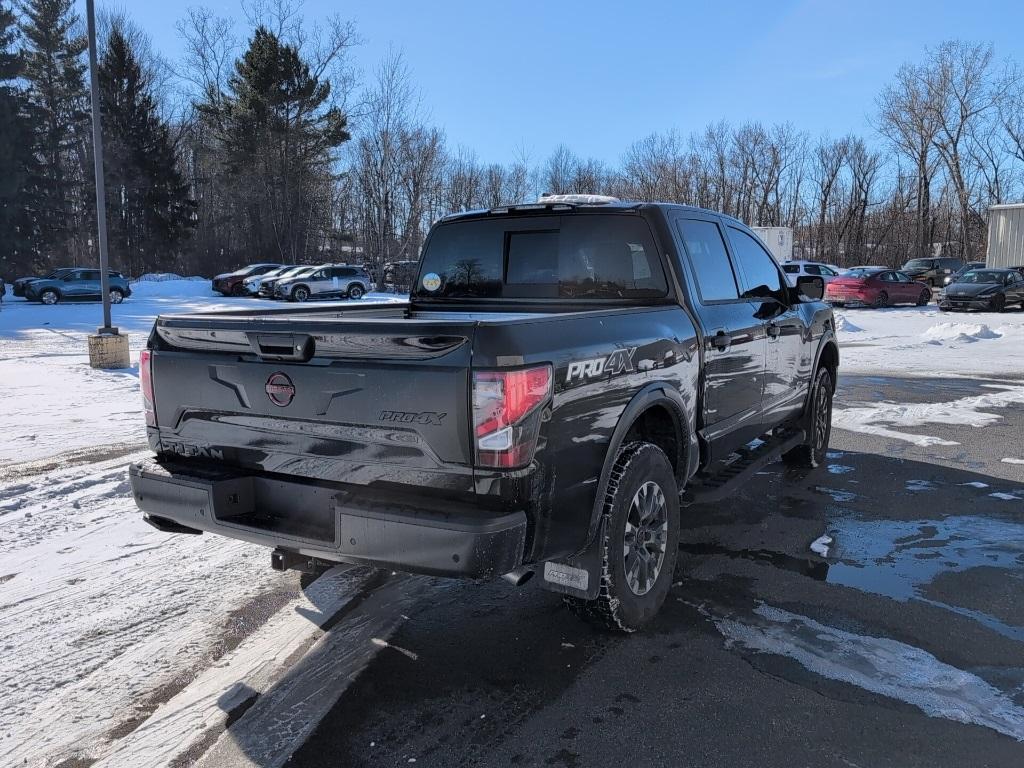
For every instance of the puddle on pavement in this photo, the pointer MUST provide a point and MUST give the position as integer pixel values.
(898, 559)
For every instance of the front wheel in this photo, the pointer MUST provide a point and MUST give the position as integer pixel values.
(300, 294)
(49, 296)
(998, 303)
(924, 298)
(811, 453)
(641, 540)
(239, 291)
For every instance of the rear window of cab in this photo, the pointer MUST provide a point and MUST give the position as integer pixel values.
(579, 256)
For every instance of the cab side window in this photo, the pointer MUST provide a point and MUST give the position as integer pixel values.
(812, 269)
(756, 266)
(710, 260)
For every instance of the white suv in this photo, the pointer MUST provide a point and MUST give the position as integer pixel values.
(328, 281)
(795, 269)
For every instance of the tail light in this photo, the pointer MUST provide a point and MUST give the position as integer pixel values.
(146, 383)
(507, 408)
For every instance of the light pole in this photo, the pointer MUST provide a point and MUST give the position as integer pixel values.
(107, 348)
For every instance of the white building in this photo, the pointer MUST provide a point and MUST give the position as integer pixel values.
(1005, 236)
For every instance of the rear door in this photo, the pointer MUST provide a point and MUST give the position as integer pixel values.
(734, 338)
(787, 359)
(909, 289)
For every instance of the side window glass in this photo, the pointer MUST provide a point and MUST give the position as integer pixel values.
(709, 258)
(813, 269)
(827, 271)
(756, 266)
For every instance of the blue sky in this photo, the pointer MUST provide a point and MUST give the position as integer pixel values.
(599, 75)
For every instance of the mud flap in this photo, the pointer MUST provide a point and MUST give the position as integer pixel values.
(580, 575)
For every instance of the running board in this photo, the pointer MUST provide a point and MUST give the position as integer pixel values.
(707, 487)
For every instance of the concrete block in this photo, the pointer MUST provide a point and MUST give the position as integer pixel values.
(108, 350)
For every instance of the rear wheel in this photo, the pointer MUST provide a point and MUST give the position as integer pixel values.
(924, 298)
(49, 296)
(641, 540)
(811, 453)
(116, 296)
(355, 291)
(882, 300)
(300, 293)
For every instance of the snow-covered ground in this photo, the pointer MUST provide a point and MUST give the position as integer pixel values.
(922, 341)
(99, 611)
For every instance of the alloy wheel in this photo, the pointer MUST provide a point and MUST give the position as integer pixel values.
(646, 534)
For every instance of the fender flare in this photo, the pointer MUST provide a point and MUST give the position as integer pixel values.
(655, 393)
(828, 338)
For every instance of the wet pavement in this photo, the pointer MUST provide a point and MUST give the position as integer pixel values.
(903, 647)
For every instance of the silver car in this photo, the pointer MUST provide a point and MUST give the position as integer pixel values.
(328, 281)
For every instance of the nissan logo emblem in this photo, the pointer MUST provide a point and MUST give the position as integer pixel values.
(280, 389)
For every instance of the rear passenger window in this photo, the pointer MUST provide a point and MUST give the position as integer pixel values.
(757, 267)
(706, 250)
(90, 275)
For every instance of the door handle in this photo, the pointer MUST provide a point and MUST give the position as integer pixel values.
(773, 330)
(721, 340)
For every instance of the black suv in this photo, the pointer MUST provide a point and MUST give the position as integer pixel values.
(932, 271)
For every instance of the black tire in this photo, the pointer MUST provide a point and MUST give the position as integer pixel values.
(356, 291)
(50, 296)
(924, 298)
(881, 300)
(811, 453)
(239, 290)
(631, 597)
(998, 303)
(300, 293)
(116, 295)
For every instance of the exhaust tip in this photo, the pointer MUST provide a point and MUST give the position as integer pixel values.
(519, 576)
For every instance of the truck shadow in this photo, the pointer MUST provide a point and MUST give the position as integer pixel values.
(474, 664)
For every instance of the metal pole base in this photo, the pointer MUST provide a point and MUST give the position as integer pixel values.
(109, 350)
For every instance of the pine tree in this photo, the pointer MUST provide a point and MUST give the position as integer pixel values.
(148, 210)
(15, 163)
(277, 132)
(57, 101)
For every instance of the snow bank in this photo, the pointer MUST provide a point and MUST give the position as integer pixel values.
(173, 287)
(962, 332)
(845, 325)
(160, 277)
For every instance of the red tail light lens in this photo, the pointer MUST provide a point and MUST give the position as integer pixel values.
(146, 383)
(506, 414)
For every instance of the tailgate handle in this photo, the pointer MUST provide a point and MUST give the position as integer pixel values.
(283, 346)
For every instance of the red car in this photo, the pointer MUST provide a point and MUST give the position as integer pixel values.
(876, 287)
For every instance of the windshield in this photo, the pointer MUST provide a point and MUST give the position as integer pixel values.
(982, 276)
(578, 256)
(919, 264)
(300, 272)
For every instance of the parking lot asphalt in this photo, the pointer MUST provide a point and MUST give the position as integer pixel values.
(903, 647)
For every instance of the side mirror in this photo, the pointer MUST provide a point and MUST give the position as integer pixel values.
(809, 288)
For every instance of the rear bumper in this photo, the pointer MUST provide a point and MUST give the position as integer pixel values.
(331, 521)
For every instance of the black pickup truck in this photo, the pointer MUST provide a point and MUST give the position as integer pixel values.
(564, 377)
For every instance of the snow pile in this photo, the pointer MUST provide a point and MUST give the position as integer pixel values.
(922, 341)
(845, 325)
(171, 288)
(961, 332)
(161, 277)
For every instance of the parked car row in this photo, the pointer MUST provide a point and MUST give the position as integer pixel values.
(296, 283)
(69, 283)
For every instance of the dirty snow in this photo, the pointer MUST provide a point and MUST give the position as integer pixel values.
(882, 418)
(880, 665)
(821, 544)
(97, 609)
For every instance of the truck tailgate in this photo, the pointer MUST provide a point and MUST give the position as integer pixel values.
(361, 400)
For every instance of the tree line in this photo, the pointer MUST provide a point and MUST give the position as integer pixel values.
(266, 148)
